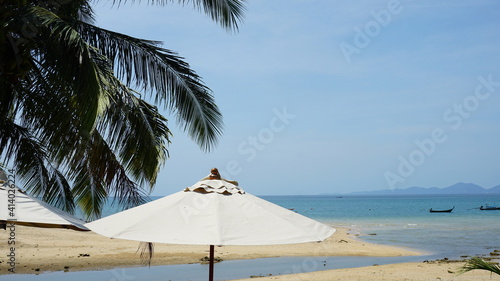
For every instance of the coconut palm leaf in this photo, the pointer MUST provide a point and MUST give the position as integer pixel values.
(94, 182)
(228, 13)
(41, 178)
(163, 73)
(80, 66)
(131, 119)
(75, 120)
(478, 263)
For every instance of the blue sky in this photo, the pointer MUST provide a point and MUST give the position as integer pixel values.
(337, 96)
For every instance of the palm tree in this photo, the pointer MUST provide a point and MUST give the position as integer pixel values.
(75, 125)
(478, 263)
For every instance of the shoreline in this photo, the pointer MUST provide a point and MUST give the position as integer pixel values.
(42, 249)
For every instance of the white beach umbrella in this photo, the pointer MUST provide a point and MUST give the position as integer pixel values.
(22, 209)
(212, 212)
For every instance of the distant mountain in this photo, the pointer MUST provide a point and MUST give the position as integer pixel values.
(458, 188)
(495, 189)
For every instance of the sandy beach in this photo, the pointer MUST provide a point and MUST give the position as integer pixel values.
(391, 272)
(39, 250)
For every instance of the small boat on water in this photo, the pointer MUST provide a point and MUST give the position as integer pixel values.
(489, 208)
(441, 211)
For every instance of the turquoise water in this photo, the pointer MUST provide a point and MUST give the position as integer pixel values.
(406, 221)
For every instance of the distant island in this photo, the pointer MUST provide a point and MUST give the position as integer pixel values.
(458, 188)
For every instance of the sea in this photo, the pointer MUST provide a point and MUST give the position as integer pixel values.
(402, 220)
(405, 221)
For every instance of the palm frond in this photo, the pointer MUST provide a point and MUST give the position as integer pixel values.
(69, 145)
(98, 174)
(125, 191)
(162, 72)
(89, 192)
(75, 61)
(49, 96)
(129, 119)
(228, 13)
(31, 163)
(73, 130)
(147, 252)
(478, 263)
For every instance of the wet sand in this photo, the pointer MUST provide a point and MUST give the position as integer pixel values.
(41, 249)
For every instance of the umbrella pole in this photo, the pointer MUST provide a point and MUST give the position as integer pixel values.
(211, 267)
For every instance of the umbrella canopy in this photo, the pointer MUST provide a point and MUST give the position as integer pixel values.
(213, 211)
(30, 211)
